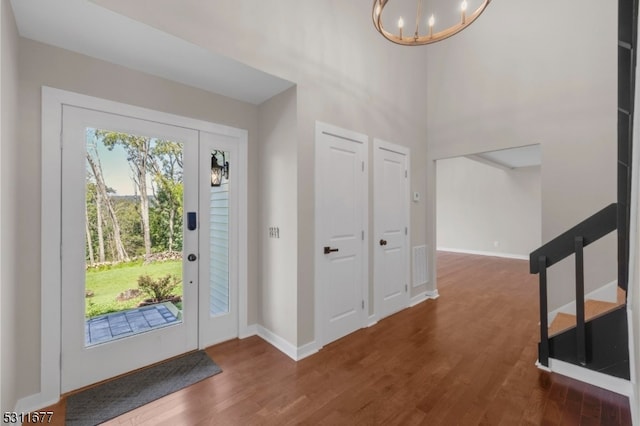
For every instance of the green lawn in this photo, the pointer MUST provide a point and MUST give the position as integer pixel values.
(107, 284)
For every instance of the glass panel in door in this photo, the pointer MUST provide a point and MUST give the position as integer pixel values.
(219, 197)
(219, 234)
(133, 228)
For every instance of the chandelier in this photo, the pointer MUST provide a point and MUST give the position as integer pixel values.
(431, 36)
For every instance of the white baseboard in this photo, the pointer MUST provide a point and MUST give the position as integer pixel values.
(542, 367)
(33, 402)
(426, 295)
(433, 294)
(306, 350)
(633, 368)
(634, 402)
(373, 320)
(278, 342)
(613, 384)
(284, 346)
(606, 293)
(417, 299)
(486, 253)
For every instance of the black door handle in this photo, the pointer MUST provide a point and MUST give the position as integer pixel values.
(192, 257)
(383, 242)
(328, 250)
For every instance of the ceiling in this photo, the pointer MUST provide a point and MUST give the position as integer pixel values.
(512, 158)
(84, 27)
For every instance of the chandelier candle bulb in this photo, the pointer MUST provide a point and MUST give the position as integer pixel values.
(432, 21)
(463, 8)
(401, 25)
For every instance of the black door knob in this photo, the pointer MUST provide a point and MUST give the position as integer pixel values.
(192, 257)
(383, 242)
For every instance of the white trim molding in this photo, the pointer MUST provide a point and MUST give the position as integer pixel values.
(306, 350)
(280, 343)
(373, 320)
(613, 384)
(423, 297)
(296, 353)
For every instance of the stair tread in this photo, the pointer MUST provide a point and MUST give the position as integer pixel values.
(561, 323)
(592, 309)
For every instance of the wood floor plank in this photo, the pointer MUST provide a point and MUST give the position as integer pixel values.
(465, 358)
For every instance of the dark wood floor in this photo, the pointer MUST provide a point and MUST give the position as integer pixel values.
(466, 358)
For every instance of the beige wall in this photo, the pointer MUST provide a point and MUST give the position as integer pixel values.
(346, 75)
(9, 285)
(537, 72)
(480, 205)
(40, 65)
(277, 187)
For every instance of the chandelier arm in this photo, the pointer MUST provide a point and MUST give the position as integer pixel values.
(378, 8)
(418, 17)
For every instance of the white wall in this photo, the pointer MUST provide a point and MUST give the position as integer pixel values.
(346, 75)
(536, 72)
(9, 285)
(480, 205)
(39, 65)
(633, 293)
(278, 257)
(634, 321)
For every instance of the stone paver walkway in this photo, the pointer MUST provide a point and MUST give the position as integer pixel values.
(126, 323)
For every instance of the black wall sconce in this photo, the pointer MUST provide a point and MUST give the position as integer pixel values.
(218, 171)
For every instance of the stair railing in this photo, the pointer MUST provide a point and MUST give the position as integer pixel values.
(571, 242)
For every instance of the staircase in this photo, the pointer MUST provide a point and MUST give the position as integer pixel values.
(606, 337)
(596, 337)
(593, 308)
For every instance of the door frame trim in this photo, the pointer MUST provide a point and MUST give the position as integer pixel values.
(51, 184)
(329, 129)
(378, 145)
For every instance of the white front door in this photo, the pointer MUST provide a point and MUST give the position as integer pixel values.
(192, 240)
(341, 200)
(128, 186)
(391, 227)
